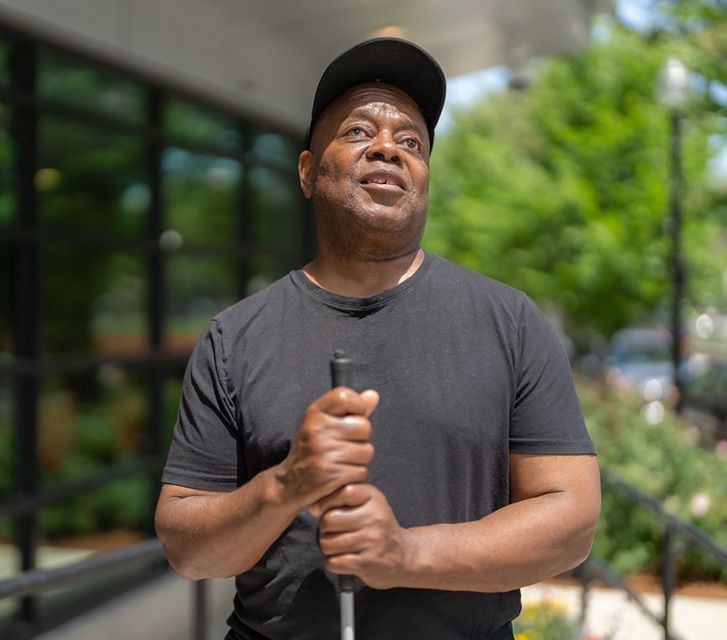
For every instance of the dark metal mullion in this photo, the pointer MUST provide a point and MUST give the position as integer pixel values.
(309, 241)
(115, 125)
(74, 240)
(84, 362)
(20, 503)
(112, 124)
(137, 75)
(26, 316)
(244, 218)
(157, 294)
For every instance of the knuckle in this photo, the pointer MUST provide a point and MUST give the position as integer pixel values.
(342, 394)
(319, 466)
(312, 413)
(360, 474)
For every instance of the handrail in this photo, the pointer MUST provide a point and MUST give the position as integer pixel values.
(150, 551)
(38, 580)
(593, 568)
(147, 552)
(687, 528)
(20, 503)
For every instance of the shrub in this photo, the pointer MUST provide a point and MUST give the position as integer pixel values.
(665, 462)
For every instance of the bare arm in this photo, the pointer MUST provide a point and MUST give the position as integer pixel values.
(547, 529)
(208, 534)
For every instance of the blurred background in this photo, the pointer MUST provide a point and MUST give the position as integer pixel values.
(148, 179)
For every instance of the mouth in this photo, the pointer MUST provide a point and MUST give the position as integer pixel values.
(383, 180)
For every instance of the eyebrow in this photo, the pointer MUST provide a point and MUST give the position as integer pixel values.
(407, 122)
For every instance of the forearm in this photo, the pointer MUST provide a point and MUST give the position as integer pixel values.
(517, 545)
(223, 535)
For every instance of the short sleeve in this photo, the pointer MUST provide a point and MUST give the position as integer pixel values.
(546, 415)
(204, 451)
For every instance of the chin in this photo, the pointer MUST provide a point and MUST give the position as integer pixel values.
(387, 219)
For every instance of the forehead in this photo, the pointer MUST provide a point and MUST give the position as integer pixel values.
(374, 93)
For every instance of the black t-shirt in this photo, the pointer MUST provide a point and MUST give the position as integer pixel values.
(468, 371)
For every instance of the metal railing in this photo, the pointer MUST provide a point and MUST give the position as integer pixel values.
(589, 573)
(595, 570)
(149, 552)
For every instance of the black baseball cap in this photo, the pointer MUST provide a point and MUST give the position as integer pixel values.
(391, 60)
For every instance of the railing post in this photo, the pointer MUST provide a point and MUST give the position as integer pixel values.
(667, 573)
(583, 575)
(26, 314)
(199, 610)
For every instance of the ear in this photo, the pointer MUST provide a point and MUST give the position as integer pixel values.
(306, 165)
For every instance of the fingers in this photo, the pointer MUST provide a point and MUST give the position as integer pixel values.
(371, 398)
(333, 447)
(344, 518)
(359, 535)
(343, 401)
(350, 495)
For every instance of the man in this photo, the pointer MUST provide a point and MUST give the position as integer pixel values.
(460, 473)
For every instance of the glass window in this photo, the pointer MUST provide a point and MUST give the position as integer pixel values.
(90, 420)
(190, 122)
(90, 181)
(172, 394)
(4, 68)
(278, 227)
(7, 187)
(76, 83)
(198, 288)
(112, 516)
(275, 147)
(93, 300)
(263, 271)
(6, 303)
(200, 196)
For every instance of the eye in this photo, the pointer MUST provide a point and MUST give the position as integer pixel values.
(356, 131)
(412, 143)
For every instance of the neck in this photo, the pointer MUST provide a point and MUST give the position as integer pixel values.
(362, 277)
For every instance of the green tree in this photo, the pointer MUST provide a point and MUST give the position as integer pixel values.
(562, 189)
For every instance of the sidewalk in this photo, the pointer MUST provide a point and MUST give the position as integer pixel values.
(610, 611)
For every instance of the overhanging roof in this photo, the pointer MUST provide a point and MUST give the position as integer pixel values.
(265, 57)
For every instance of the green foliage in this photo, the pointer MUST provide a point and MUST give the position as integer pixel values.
(123, 504)
(664, 462)
(562, 190)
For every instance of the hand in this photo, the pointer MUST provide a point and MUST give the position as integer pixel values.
(332, 448)
(359, 535)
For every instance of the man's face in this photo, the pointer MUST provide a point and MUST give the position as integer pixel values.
(369, 163)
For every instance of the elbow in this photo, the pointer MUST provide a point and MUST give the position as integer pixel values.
(181, 560)
(176, 549)
(581, 540)
(184, 557)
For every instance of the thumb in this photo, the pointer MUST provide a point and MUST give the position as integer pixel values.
(371, 400)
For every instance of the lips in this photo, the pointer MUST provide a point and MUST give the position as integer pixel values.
(385, 179)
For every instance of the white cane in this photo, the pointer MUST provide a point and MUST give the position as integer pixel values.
(342, 376)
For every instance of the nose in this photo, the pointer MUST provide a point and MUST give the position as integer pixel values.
(383, 148)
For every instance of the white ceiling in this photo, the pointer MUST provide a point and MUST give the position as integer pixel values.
(265, 56)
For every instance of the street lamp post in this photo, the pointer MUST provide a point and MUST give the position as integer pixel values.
(674, 84)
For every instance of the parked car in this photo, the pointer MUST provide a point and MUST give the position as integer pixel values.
(640, 361)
